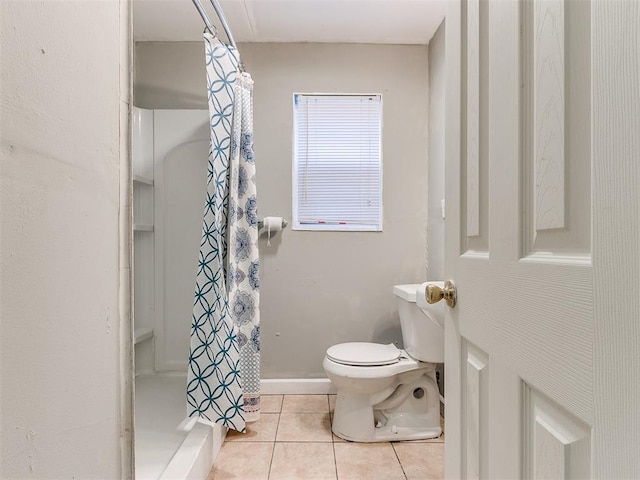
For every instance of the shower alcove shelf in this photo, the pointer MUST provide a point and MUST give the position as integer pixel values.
(143, 238)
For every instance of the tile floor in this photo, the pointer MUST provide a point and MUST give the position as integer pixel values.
(293, 440)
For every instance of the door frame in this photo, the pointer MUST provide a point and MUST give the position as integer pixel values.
(125, 240)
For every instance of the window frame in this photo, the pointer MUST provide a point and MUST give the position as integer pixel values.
(334, 227)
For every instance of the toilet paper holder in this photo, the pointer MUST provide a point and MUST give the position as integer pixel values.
(261, 223)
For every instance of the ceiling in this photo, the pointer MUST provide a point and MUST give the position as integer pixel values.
(346, 21)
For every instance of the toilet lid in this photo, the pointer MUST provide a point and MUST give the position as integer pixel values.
(363, 354)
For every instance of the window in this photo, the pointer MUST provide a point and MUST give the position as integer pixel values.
(337, 162)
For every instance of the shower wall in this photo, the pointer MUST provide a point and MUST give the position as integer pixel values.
(317, 288)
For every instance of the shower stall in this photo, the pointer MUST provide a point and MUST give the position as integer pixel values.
(170, 150)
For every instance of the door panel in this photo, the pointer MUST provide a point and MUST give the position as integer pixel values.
(555, 444)
(473, 118)
(556, 118)
(546, 86)
(475, 167)
(477, 413)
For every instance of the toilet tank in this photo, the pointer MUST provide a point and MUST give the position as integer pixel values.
(422, 327)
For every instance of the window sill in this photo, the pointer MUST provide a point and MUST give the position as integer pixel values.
(332, 227)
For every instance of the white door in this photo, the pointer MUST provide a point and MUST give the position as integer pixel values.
(542, 154)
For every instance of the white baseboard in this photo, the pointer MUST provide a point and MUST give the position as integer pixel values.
(276, 386)
(296, 386)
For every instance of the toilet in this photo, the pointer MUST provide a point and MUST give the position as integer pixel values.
(385, 393)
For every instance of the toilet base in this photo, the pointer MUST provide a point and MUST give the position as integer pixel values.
(391, 433)
(408, 412)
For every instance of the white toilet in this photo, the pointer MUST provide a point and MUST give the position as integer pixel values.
(384, 393)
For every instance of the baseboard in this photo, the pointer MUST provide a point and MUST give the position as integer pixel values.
(296, 386)
(274, 386)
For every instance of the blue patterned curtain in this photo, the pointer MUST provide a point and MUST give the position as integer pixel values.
(223, 373)
(242, 261)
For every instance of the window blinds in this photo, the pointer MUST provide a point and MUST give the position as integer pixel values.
(337, 162)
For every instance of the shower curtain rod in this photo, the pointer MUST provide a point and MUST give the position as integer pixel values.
(209, 25)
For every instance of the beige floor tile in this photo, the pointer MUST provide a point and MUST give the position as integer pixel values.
(332, 403)
(264, 430)
(305, 404)
(370, 461)
(243, 461)
(421, 461)
(304, 427)
(270, 403)
(308, 461)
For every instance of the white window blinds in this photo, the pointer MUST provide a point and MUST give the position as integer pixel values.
(337, 171)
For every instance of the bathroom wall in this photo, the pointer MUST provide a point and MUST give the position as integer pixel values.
(435, 226)
(63, 140)
(318, 288)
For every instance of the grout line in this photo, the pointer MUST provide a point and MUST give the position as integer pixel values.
(335, 460)
(297, 441)
(333, 440)
(273, 449)
(277, 426)
(396, 454)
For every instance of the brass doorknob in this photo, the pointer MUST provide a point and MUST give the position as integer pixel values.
(434, 293)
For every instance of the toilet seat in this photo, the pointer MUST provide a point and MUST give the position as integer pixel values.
(364, 354)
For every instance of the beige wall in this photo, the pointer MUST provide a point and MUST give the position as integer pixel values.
(320, 288)
(63, 111)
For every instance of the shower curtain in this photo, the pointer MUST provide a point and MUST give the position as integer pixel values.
(223, 383)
